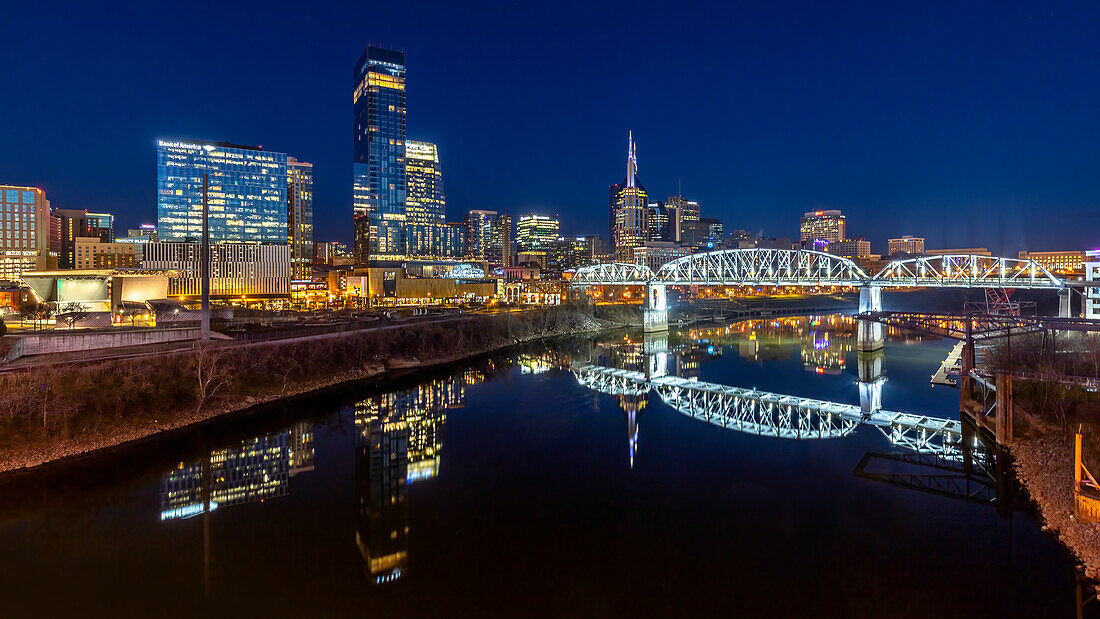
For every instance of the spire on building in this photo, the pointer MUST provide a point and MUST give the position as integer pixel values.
(631, 160)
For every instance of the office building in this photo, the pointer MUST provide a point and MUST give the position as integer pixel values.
(536, 232)
(24, 231)
(72, 224)
(823, 226)
(238, 271)
(659, 226)
(959, 251)
(573, 252)
(379, 176)
(627, 204)
(299, 213)
(683, 214)
(426, 231)
(705, 233)
(1058, 262)
(908, 245)
(1091, 299)
(246, 192)
(654, 254)
(489, 237)
(93, 253)
(851, 248)
(145, 233)
(102, 226)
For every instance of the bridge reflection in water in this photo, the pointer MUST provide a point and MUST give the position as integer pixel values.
(931, 454)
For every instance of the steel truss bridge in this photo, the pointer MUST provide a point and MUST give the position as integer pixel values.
(771, 414)
(804, 268)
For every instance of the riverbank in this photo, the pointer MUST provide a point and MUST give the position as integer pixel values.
(1044, 464)
(49, 414)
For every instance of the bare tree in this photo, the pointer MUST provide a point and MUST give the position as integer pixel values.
(71, 312)
(35, 311)
(212, 374)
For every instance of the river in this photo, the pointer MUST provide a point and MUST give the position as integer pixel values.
(505, 487)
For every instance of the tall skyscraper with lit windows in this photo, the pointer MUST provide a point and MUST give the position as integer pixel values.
(24, 230)
(818, 228)
(299, 212)
(379, 177)
(427, 233)
(627, 205)
(536, 232)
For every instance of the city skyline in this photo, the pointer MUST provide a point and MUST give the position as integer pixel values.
(945, 128)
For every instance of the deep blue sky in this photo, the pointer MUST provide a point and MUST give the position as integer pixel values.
(967, 123)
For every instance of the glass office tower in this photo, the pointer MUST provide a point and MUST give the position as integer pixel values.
(299, 210)
(247, 192)
(426, 231)
(378, 197)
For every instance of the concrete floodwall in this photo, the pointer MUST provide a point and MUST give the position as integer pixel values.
(56, 343)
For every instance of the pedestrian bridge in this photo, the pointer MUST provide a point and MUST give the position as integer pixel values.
(804, 268)
(771, 414)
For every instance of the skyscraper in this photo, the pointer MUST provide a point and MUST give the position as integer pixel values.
(628, 202)
(659, 226)
(299, 213)
(536, 232)
(427, 233)
(246, 192)
(682, 217)
(489, 236)
(379, 180)
(824, 226)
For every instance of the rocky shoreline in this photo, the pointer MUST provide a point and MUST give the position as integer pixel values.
(1044, 464)
(35, 456)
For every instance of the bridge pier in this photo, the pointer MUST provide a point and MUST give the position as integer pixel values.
(869, 334)
(655, 312)
(655, 350)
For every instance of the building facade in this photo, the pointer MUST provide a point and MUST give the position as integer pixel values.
(238, 271)
(573, 252)
(489, 237)
(851, 248)
(94, 253)
(910, 245)
(24, 231)
(655, 254)
(1058, 262)
(379, 175)
(426, 231)
(826, 226)
(536, 232)
(246, 192)
(683, 214)
(299, 214)
(627, 205)
(659, 225)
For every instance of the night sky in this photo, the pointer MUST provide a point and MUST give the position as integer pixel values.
(967, 123)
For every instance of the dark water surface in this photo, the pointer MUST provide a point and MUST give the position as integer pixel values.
(506, 488)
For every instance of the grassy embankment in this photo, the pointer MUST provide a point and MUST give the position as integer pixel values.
(51, 413)
(1046, 415)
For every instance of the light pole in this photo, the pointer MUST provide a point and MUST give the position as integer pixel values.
(204, 257)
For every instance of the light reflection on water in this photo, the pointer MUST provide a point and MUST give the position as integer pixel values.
(510, 479)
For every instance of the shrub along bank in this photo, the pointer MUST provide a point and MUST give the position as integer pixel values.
(48, 413)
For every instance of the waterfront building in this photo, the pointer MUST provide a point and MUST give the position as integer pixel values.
(536, 232)
(246, 192)
(966, 251)
(24, 231)
(489, 236)
(573, 252)
(94, 253)
(826, 226)
(627, 204)
(851, 248)
(1058, 262)
(379, 174)
(1091, 299)
(653, 254)
(683, 214)
(238, 271)
(299, 213)
(908, 245)
(659, 227)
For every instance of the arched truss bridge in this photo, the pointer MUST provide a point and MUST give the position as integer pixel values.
(789, 267)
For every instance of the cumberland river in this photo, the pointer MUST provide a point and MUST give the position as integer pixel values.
(507, 488)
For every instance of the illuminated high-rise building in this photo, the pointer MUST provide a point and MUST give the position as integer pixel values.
(627, 204)
(379, 176)
(536, 232)
(246, 192)
(427, 233)
(682, 215)
(659, 226)
(24, 230)
(299, 213)
(489, 236)
(821, 227)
